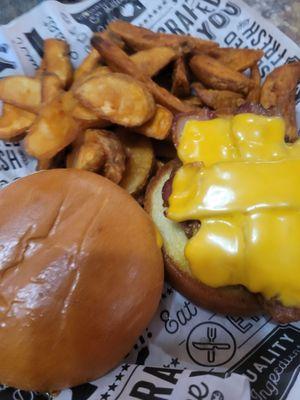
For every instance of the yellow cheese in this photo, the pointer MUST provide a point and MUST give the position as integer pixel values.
(242, 181)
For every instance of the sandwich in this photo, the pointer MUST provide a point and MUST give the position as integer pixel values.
(228, 213)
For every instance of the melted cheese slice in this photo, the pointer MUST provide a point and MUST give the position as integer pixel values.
(242, 181)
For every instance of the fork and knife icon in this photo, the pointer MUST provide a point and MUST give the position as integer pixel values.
(211, 346)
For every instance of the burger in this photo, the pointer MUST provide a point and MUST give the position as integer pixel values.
(228, 213)
(81, 277)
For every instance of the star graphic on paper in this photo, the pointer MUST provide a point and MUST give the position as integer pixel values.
(105, 396)
(125, 367)
(174, 361)
(119, 377)
(112, 387)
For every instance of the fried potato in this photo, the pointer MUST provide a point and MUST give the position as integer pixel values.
(159, 126)
(86, 154)
(88, 118)
(99, 151)
(22, 92)
(237, 59)
(279, 90)
(90, 62)
(114, 37)
(180, 81)
(140, 161)
(254, 93)
(118, 60)
(53, 129)
(41, 70)
(118, 98)
(193, 101)
(14, 122)
(151, 61)
(141, 38)
(101, 69)
(58, 161)
(51, 87)
(43, 164)
(220, 99)
(57, 61)
(218, 76)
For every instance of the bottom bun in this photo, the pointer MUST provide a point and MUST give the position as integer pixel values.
(234, 300)
(81, 277)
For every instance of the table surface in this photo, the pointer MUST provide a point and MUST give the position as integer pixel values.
(285, 14)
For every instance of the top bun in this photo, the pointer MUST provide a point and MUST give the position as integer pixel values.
(81, 277)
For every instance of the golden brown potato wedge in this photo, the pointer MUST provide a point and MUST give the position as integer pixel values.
(88, 118)
(159, 126)
(118, 98)
(141, 38)
(151, 61)
(101, 69)
(279, 90)
(220, 99)
(193, 101)
(51, 87)
(14, 122)
(140, 161)
(22, 92)
(114, 37)
(180, 80)
(118, 60)
(90, 62)
(218, 76)
(53, 129)
(254, 93)
(57, 61)
(98, 151)
(237, 59)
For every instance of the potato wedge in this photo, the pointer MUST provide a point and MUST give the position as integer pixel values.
(220, 99)
(237, 59)
(14, 122)
(254, 93)
(118, 60)
(51, 87)
(139, 38)
(151, 61)
(57, 61)
(118, 98)
(53, 129)
(101, 69)
(99, 151)
(22, 92)
(180, 80)
(88, 118)
(279, 90)
(114, 37)
(193, 101)
(86, 154)
(90, 62)
(58, 161)
(159, 126)
(140, 161)
(218, 76)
